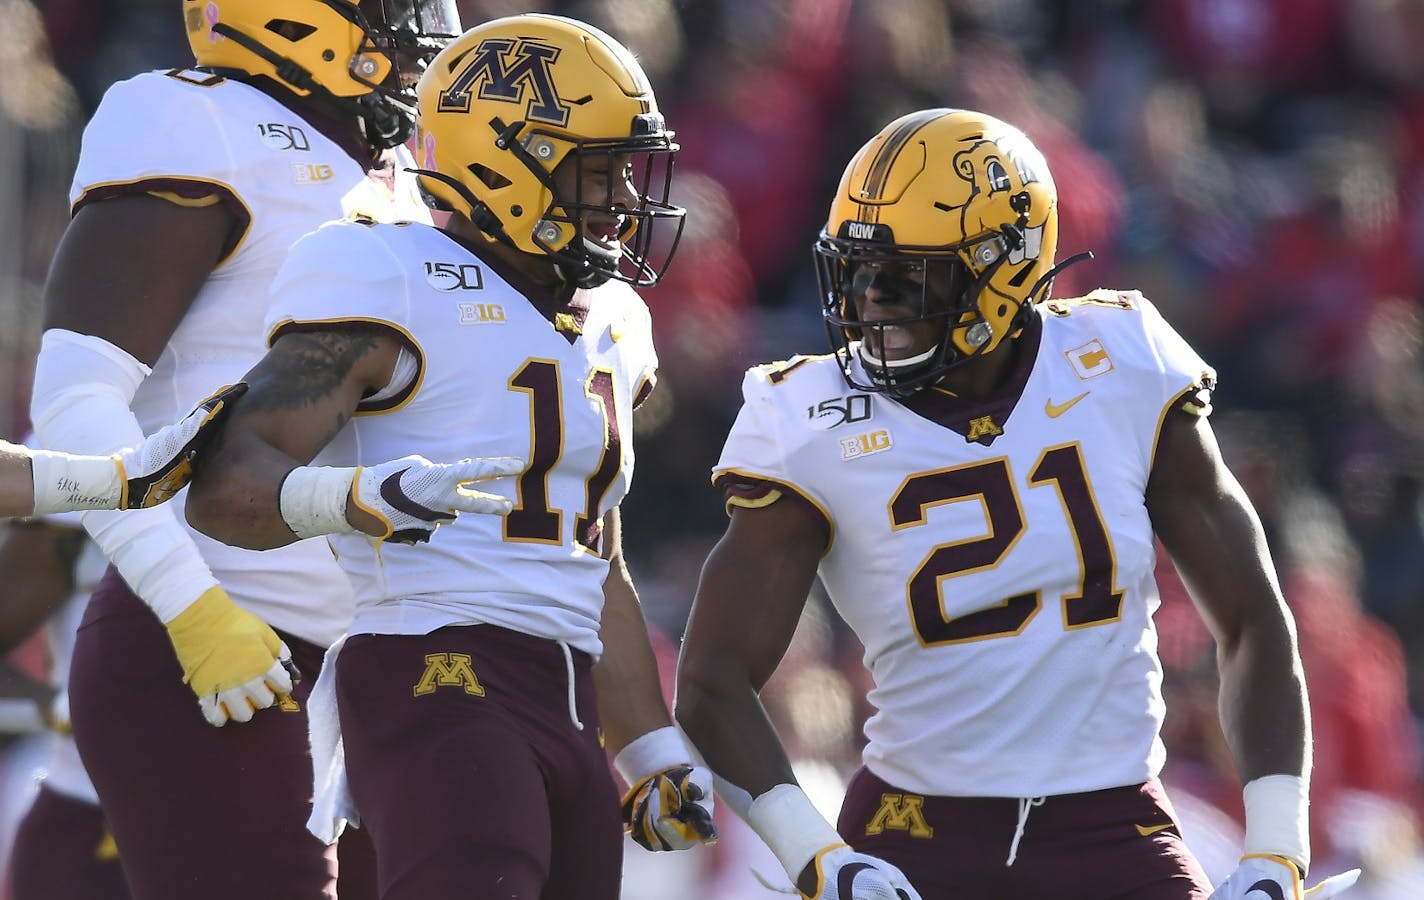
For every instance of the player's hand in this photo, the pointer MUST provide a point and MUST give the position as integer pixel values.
(162, 465)
(1277, 877)
(406, 499)
(231, 659)
(671, 809)
(839, 873)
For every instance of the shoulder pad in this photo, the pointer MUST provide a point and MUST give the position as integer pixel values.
(1101, 297)
(778, 371)
(196, 77)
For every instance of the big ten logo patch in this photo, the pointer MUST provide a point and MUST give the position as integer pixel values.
(281, 136)
(448, 670)
(865, 444)
(449, 276)
(900, 812)
(481, 314)
(1090, 360)
(311, 173)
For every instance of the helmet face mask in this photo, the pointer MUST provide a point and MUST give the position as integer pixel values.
(409, 33)
(606, 199)
(545, 134)
(898, 334)
(938, 188)
(363, 58)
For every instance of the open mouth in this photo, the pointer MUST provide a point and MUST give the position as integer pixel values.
(604, 231)
(890, 341)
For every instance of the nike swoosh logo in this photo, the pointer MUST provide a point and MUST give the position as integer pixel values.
(845, 878)
(1269, 888)
(1054, 411)
(392, 493)
(1148, 830)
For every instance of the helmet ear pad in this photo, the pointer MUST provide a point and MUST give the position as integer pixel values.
(494, 102)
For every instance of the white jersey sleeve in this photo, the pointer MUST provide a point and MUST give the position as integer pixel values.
(185, 139)
(1156, 353)
(341, 272)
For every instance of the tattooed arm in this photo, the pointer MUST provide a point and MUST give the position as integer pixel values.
(299, 396)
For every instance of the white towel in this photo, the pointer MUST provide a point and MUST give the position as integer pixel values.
(332, 806)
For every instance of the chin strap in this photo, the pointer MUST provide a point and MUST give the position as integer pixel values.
(1042, 285)
(1045, 281)
(479, 213)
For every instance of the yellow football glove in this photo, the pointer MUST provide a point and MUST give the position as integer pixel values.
(231, 659)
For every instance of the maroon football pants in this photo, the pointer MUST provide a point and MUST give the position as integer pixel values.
(196, 811)
(1121, 843)
(469, 772)
(63, 851)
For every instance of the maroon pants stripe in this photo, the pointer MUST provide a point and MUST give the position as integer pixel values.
(196, 811)
(1120, 843)
(468, 771)
(63, 851)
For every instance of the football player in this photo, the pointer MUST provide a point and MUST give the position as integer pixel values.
(976, 472)
(483, 674)
(191, 186)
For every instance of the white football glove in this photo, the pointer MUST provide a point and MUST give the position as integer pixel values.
(413, 496)
(671, 809)
(843, 874)
(162, 465)
(146, 475)
(1264, 877)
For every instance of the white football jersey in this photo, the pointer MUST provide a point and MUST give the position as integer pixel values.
(493, 376)
(996, 561)
(189, 132)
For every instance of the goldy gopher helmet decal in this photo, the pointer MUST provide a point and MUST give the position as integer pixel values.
(940, 187)
(365, 56)
(509, 101)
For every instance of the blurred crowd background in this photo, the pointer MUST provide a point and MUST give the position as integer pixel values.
(1255, 167)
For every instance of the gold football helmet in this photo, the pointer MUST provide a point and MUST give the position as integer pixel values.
(940, 187)
(511, 100)
(365, 55)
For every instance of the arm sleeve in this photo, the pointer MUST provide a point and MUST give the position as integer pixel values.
(83, 387)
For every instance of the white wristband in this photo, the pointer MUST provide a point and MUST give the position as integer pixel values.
(64, 482)
(659, 749)
(1277, 818)
(792, 827)
(313, 500)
